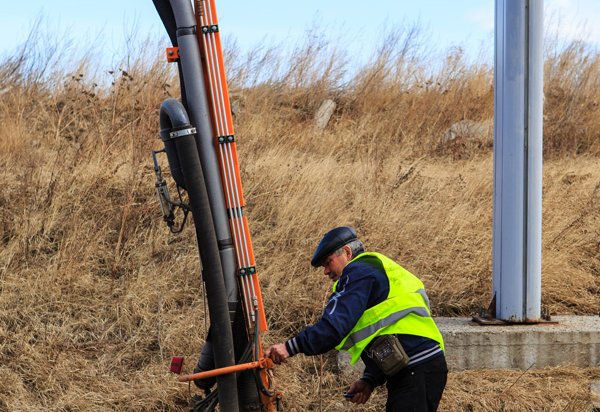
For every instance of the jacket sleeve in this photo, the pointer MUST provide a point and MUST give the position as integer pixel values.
(342, 312)
(372, 374)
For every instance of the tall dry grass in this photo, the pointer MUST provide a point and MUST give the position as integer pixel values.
(96, 296)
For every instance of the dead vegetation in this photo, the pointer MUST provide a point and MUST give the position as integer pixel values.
(96, 296)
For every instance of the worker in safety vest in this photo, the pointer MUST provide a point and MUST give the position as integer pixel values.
(378, 312)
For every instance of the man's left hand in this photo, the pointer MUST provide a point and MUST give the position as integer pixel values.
(361, 390)
(278, 353)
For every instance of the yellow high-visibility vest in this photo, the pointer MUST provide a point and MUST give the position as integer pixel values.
(404, 311)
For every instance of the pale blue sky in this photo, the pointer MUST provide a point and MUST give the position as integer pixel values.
(357, 24)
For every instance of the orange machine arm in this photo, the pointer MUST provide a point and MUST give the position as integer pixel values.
(222, 121)
(214, 70)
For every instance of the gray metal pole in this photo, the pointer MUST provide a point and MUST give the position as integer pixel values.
(518, 123)
(198, 109)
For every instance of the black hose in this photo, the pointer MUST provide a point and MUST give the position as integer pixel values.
(163, 7)
(167, 16)
(182, 136)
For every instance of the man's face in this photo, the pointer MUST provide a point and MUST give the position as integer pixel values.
(334, 264)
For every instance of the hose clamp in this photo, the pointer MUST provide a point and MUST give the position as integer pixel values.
(183, 132)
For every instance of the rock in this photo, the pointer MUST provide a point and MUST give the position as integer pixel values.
(469, 130)
(324, 113)
(235, 107)
(350, 372)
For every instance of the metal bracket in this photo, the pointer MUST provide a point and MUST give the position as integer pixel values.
(231, 212)
(213, 28)
(183, 132)
(167, 205)
(172, 54)
(226, 139)
(488, 318)
(247, 271)
(499, 322)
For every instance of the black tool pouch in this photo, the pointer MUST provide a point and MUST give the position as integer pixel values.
(388, 354)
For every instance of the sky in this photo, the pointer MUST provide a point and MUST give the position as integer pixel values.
(357, 24)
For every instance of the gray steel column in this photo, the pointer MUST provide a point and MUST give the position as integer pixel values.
(518, 123)
(198, 109)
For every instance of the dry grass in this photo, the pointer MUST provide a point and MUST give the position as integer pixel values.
(96, 296)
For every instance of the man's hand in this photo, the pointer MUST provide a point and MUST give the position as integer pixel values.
(278, 353)
(361, 390)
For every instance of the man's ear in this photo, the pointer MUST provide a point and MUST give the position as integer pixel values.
(348, 252)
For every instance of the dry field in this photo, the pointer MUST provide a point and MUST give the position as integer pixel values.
(96, 295)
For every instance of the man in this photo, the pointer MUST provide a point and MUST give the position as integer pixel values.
(374, 302)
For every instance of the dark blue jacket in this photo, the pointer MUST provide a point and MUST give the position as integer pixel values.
(362, 285)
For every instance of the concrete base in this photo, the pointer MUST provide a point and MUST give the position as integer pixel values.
(595, 395)
(574, 340)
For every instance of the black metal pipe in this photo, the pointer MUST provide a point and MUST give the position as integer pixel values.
(173, 117)
(249, 399)
(165, 12)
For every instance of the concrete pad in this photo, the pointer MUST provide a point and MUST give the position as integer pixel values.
(595, 395)
(574, 340)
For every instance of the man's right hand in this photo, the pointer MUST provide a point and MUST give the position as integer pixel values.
(361, 390)
(278, 353)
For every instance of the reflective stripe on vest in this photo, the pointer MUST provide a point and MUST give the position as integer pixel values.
(404, 311)
(390, 320)
(425, 297)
